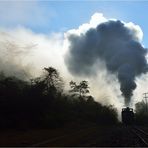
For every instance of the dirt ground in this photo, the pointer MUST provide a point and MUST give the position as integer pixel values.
(71, 136)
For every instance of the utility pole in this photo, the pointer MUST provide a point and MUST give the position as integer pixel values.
(145, 98)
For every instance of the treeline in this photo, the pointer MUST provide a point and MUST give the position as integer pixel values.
(43, 103)
(141, 113)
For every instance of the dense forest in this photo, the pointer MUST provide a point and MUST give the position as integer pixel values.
(42, 103)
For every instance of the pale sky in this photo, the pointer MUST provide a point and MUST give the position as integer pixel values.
(59, 16)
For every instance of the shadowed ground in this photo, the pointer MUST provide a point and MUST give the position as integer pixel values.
(73, 135)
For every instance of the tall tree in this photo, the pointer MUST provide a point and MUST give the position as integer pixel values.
(53, 80)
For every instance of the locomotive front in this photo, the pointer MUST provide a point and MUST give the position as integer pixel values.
(127, 116)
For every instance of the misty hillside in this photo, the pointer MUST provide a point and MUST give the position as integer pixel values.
(43, 103)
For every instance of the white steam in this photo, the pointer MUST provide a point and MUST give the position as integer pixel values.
(24, 53)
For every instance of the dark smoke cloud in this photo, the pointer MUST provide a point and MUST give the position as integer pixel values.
(116, 45)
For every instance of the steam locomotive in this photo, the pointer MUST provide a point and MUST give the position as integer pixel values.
(127, 116)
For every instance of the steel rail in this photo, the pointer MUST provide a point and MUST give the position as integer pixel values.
(139, 132)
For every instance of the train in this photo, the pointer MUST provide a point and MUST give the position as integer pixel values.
(127, 115)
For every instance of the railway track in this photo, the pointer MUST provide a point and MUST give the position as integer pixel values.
(141, 135)
(90, 137)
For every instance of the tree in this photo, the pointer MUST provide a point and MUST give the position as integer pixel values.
(81, 89)
(141, 107)
(53, 80)
(141, 115)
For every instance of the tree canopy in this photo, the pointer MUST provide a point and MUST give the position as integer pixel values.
(80, 89)
(43, 103)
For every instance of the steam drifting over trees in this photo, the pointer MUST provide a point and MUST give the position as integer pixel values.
(114, 43)
(42, 103)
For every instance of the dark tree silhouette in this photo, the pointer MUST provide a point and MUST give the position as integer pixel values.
(81, 89)
(141, 115)
(42, 103)
(53, 80)
(50, 82)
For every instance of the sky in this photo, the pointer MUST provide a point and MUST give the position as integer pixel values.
(57, 16)
(34, 35)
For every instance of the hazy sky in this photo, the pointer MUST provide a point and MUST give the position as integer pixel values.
(58, 16)
(34, 35)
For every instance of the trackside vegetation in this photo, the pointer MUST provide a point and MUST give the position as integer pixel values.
(43, 103)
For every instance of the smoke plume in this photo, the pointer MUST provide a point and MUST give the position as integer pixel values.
(114, 43)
